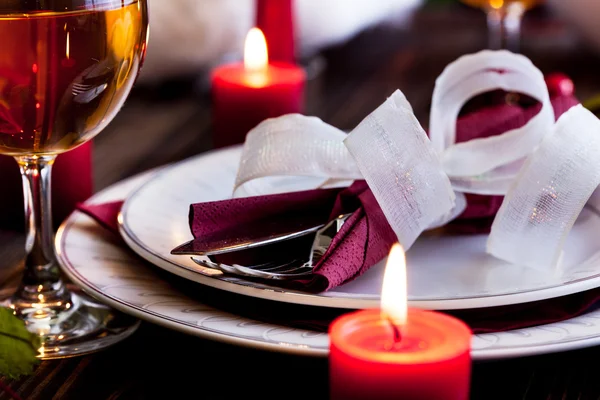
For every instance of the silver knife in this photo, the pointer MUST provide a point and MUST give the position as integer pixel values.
(247, 236)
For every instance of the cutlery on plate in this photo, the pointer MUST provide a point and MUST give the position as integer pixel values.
(287, 270)
(244, 237)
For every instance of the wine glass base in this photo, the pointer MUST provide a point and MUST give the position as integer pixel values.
(85, 328)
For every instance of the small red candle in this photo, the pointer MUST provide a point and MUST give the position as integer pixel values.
(245, 94)
(397, 353)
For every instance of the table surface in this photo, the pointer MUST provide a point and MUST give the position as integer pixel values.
(171, 122)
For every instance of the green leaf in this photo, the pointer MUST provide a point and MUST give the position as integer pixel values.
(18, 346)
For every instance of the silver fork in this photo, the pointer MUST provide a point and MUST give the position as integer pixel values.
(289, 270)
(293, 271)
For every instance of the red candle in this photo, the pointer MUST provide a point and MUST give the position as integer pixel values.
(276, 19)
(396, 353)
(245, 94)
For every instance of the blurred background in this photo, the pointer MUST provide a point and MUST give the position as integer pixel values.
(189, 36)
(355, 53)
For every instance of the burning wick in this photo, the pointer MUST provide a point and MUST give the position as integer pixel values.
(397, 332)
(390, 345)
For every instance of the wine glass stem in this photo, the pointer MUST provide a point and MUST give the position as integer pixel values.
(512, 26)
(495, 25)
(41, 286)
(504, 27)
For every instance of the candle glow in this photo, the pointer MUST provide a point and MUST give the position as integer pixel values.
(394, 298)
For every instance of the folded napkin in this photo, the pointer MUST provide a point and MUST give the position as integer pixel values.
(364, 239)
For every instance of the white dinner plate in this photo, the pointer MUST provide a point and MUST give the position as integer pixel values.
(101, 265)
(444, 273)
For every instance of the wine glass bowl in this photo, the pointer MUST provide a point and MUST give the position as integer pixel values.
(48, 60)
(66, 68)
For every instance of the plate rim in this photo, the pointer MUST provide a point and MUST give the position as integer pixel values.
(275, 293)
(485, 354)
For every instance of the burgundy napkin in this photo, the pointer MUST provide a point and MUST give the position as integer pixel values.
(105, 214)
(486, 320)
(364, 239)
(517, 316)
(481, 320)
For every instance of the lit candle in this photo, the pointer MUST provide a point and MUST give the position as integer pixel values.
(245, 94)
(396, 352)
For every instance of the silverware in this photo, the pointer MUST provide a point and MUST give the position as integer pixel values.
(292, 270)
(243, 238)
(86, 93)
(92, 82)
(287, 270)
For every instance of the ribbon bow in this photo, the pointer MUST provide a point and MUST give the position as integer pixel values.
(546, 170)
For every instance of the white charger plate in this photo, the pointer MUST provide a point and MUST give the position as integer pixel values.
(92, 258)
(444, 273)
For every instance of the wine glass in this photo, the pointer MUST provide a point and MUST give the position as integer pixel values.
(504, 20)
(66, 68)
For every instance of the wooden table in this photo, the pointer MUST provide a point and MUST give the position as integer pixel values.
(164, 124)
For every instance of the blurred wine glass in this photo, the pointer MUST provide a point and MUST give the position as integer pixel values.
(504, 20)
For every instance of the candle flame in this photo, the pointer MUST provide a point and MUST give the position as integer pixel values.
(394, 296)
(256, 55)
(68, 52)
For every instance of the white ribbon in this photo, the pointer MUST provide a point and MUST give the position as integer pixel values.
(487, 165)
(419, 182)
(548, 195)
(293, 153)
(403, 171)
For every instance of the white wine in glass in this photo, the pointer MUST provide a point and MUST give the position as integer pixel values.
(66, 68)
(504, 20)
